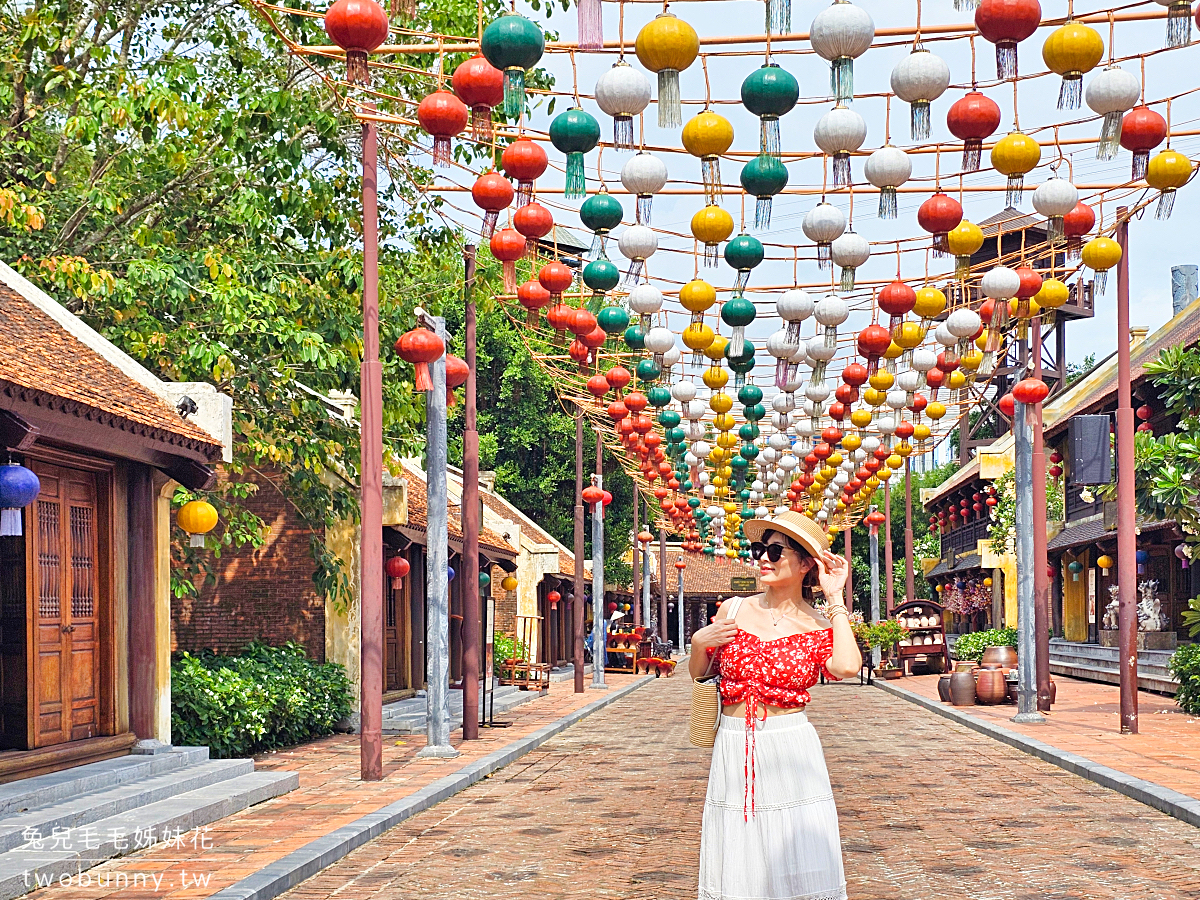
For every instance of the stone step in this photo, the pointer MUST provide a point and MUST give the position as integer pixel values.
(23, 870)
(42, 790)
(1097, 652)
(91, 806)
(1147, 681)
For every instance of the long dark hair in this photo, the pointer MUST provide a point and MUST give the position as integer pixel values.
(812, 580)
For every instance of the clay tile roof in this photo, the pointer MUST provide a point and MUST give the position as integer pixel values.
(42, 361)
(703, 575)
(418, 517)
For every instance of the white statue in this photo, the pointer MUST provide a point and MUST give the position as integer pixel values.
(1112, 611)
(1150, 614)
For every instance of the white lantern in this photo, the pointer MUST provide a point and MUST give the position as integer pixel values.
(622, 92)
(823, 224)
(762, 512)
(898, 398)
(831, 312)
(817, 391)
(840, 132)
(787, 462)
(794, 307)
(870, 443)
(1055, 198)
(910, 381)
(769, 455)
(1112, 93)
(780, 346)
(671, 358)
(644, 174)
(963, 323)
(683, 391)
(779, 442)
(645, 300)
(637, 244)
(923, 359)
(819, 350)
(918, 80)
(944, 336)
(701, 449)
(695, 409)
(782, 403)
(1000, 283)
(840, 34)
(849, 251)
(782, 421)
(658, 341)
(888, 168)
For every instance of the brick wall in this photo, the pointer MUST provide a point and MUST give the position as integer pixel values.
(506, 608)
(264, 593)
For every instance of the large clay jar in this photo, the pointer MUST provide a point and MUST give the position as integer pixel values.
(944, 688)
(990, 686)
(1001, 657)
(962, 689)
(1012, 692)
(964, 665)
(1053, 691)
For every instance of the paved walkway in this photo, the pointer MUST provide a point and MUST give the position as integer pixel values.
(929, 809)
(1086, 719)
(330, 795)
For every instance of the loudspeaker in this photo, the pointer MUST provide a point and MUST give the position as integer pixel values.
(1091, 451)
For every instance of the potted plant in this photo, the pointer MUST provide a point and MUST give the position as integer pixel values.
(885, 635)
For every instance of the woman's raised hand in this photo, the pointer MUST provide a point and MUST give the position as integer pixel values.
(833, 573)
(718, 634)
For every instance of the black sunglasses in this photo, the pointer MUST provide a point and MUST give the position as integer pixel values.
(772, 551)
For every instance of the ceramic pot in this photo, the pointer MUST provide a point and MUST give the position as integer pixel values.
(1002, 657)
(1012, 692)
(944, 688)
(990, 686)
(962, 689)
(965, 665)
(1053, 691)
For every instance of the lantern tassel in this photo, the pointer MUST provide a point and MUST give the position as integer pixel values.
(10, 522)
(697, 359)
(697, 318)
(644, 203)
(1070, 92)
(919, 120)
(510, 276)
(768, 135)
(841, 169)
(972, 154)
(1006, 60)
(710, 171)
(781, 367)
(423, 381)
(962, 266)
(739, 283)
(481, 123)
(739, 380)
(441, 151)
(1016, 190)
(1100, 282)
(669, 109)
(1140, 159)
(1110, 136)
(489, 223)
(847, 278)
(841, 79)
(635, 271)
(576, 183)
(762, 213)
(404, 9)
(793, 332)
(887, 203)
(964, 5)
(941, 245)
(531, 318)
(1179, 24)
(1074, 246)
(514, 92)
(1054, 231)
(197, 540)
(823, 261)
(524, 193)
(623, 132)
(1166, 203)
(356, 67)
(711, 256)
(590, 24)
(778, 16)
(597, 249)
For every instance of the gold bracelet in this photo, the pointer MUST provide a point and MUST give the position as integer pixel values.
(832, 611)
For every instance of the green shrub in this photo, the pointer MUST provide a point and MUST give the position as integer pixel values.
(503, 648)
(1185, 665)
(971, 646)
(264, 698)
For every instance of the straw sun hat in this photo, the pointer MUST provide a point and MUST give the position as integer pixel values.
(795, 525)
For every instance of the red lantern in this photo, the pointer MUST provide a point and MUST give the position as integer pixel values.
(617, 411)
(592, 495)
(480, 85)
(578, 351)
(556, 277)
(1076, 224)
(680, 565)
(582, 322)
(991, 501)
(636, 401)
(525, 161)
(972, 119)
(897, 299)
(534, 221)
(935, 377)
(444, 116)
(837, 410)
(594, 339)
(533, 297)
(1006, 23)
(919, 403)
(1056, 457)
(939, 215)
(456, 376)
(855, 375)
(559, 316)
(831, 435)
(618, 378)
(873, 342)
(875, 518)
(608, 498)
(508, 246)
(554, 597)
(1144, 413)
(1007, 405)
(1031, 282)
(597, 386)
(397, 569)
(1055, 471)
(491, 192)
(904, 430)
(358, 27)
(1030, 391)
(420, 347)
(1142, 130)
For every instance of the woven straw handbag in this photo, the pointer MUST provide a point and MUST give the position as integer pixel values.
(706, 698)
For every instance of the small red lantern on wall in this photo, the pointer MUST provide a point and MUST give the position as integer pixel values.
(554, 597)
(397, 569)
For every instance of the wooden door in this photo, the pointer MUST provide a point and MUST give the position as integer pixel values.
(64, 625)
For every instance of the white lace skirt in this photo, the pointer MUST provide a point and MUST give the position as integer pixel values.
(787, 847)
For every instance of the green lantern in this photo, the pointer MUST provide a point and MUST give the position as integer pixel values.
(694, 502)
(748, 432)
(613, 319)
(749, 395)
(513, 44)
(676, 435)
(600, 213)
(738, 312)
(741, 365)
(770, 92)
(670, 418)
(763, 177)
(575, 132)
(635, 338)
(602, 275)
(755, 412)
(658, 396)
(743, 253)
(749, 451)
(648, 370)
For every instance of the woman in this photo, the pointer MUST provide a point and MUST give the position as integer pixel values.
(770, 827)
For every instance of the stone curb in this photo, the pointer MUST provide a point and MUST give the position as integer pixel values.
(1164, 799)
(284, 874)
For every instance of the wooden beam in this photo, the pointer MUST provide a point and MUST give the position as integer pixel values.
(15, 432)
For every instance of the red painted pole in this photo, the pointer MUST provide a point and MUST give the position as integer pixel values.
(577, 609)
(637, 563)
(1126, 498)
(1041, 577)
(471, 627)
(890, 593)
(910, 575)
(371, 477)
(849, 567)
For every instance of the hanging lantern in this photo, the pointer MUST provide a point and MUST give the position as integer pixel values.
(637, 243)
(972, 119)
(645, 300)
(939, 215)
(1141, 558)
(659, 341)
(1111, 94)
(1014, 155)
(524, 161)
(849, 251)
(1052, 294)
(600, 213)
(737, 313)
(770, 93)
(1030, 391)
(513, 44)
(1006, 23)
(840, 34)
(491, 192)
(644, 175)
(1179, 22)
(444, 116)
(19, 487)
(962, 242)
(888, 168)
(697, 337)
(623, 93)
(601, 276)
(1105, 563)
(667, 45)
(839, 133)
(533, 297)
(1100, 254)
(533, 221)
(457, 373)
(197, 518)
(1072, 50)
(823, 224)
(420, 347)
(763, 177)
(358, 27)
(1076, 224)
(1166, 172)
(1054, 198)
(1142, 130)
(557, 279)
(613, 319)
(697, 296)
(918, 80)
(575, 132)
(743, 253)
(397, 568)
(707, 136)
(710, 226)
(479, 85)
(508, 245)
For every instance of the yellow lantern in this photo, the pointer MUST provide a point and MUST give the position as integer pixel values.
(723, 422)
(881, 381)
(1167, 171)
(884, 473)
(921, 431)
(987, 582)
(1015, 155)
(730, 507)
(852, 442)
(873, 482)
(696, 297)
(1052, 295)
(908, 335)
(1072, 50)
(197, 518)
(720, 402)
(903, 449)
(667, 45)
(956, 380)
(727, 440)
(710, 226)
(841, 506)
(962, 241)
(717, 481)
(860, 418)
(930, 303)
(716, 350)
(981, 341)
(1100, 254)
(707, 136)
(731, 553)
(938, 588)
(935, 410)
(893, 351)
(1105, 563)
(828, 473)
(715, 377)
(1022, 309)
(894, 461)
(509, 583)
(835, 459)
(696, 337)
(873, 397)
(970, 361)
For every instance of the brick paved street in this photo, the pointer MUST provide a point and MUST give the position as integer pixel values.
(929, 809)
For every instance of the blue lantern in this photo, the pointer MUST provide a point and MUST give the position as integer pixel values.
(18, 488)
(1142, 558)
(449, 573)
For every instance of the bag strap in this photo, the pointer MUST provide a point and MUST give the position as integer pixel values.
(734, 605)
